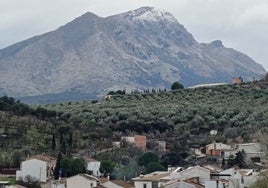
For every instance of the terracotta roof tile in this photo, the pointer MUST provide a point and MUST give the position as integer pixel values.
(89, 159)
(152, 177)
(123, 184)
(42, 157)
(89, 177)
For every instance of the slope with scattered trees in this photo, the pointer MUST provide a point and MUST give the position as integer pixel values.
(183, 118)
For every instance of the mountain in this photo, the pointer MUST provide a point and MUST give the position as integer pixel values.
(143, 48)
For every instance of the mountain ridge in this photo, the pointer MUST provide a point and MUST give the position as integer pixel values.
(92, 54)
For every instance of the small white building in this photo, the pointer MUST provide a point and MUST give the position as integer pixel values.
(189, 183)
(60, 183)
(251, 149)
(93, 166)
(82, 181)
(217, 149)
(227, 178)
(199, 172)
(151, 180)
(38, 167)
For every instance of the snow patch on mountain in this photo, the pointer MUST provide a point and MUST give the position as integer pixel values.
(151, 14)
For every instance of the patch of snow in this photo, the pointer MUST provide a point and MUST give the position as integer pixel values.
(151, 14)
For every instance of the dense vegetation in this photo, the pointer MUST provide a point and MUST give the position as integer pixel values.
(233, 110)
(183, 118)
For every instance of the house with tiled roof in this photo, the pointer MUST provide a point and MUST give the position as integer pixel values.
(192, 177)
(39, 167)
(106, 183)
(153, 179)
(189, 183)
(139, 141)
(218, 149)
(82, 181)
(93, 166)
(252, 150)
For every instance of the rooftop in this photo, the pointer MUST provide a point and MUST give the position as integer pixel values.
(42, 157)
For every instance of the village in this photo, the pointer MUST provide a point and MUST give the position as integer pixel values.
(40, 167)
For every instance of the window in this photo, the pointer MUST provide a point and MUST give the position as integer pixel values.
(144, 185)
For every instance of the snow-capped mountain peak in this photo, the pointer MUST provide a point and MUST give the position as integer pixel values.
(150, 14)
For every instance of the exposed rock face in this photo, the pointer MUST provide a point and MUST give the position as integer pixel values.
(143, 48)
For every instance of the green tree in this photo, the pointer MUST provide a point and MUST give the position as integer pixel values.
(65, 165)
(53, 143)
(106, 167)
(240, 159)
(223, 163)
(147, 158)
(70, 167)
(154, 166)
(78, 166)
(56, 172)
(16, 158)
(176, 86)
(172, 158)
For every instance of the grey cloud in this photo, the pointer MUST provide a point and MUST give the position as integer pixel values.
(241, 24)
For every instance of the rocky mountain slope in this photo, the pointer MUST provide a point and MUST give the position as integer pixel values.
(143, 48)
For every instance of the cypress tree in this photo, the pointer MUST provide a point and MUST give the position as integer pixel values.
(56, 172)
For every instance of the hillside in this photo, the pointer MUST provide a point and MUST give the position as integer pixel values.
(219, 107)
(139, 49)
(182, 118)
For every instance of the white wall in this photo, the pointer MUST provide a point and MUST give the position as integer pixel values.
(139, 184)
(94, 166)
(110, 184)
(203, 174)
(33, 167)
(180, 184)
(130, 139)
(80, 182)
(213, 184)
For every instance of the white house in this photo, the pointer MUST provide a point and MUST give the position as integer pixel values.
(251, 149)
(189, 183)
(151, 180)
(249, 176)
(82, 181)
(38, 167)
(175, 178)
(93, 166)
(199, 172)
(227, 178)
(60, 183)
(217, 149)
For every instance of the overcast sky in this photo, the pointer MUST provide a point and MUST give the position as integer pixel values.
(240, 24)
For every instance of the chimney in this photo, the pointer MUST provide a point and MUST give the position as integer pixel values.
(169, 168)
